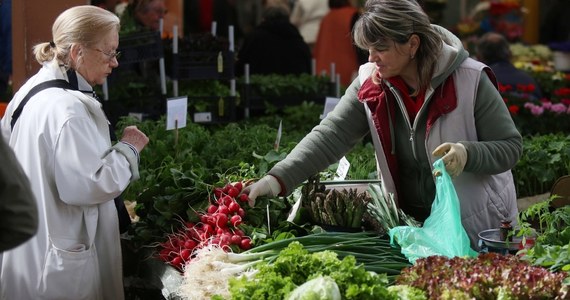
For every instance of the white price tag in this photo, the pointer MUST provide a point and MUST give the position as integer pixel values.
(176, 112)
(342, 170)
(202, 117)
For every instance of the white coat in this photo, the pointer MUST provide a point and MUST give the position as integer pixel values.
(62, 142)
(307, 16)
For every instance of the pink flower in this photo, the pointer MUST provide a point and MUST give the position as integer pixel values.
(535, 110)
(546, 104)
(558, 108)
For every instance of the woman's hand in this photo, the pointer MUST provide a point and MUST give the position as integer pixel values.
(454, 157)
(133, 136)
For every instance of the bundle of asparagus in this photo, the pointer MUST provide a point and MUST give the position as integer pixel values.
(334, 207)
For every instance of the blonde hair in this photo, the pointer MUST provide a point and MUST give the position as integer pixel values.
(394, 21)
(85, 25)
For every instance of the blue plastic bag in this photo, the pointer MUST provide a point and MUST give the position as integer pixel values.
(442, 232)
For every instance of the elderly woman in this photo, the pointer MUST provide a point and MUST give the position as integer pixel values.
(62, 141)
(420, 97)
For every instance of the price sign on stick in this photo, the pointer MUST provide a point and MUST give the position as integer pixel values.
(278, 138)
(176, 112)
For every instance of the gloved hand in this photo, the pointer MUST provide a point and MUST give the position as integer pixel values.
(454, 157)
(266, 186)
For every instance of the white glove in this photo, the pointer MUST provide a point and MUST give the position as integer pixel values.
(454, 157)
(266, 186)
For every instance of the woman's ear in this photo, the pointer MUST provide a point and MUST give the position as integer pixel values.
(414, 43)
(75, 52)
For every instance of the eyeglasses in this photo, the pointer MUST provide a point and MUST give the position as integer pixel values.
(110, 55)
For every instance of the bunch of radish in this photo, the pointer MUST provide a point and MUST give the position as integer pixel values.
(219, 225)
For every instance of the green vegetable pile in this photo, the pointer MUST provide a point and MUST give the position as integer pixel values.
(295, 265)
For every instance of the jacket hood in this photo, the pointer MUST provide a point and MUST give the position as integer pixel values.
(452, 55)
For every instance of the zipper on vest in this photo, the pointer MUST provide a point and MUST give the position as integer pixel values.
(407, 119)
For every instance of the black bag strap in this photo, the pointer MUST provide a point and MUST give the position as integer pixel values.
(58, 83)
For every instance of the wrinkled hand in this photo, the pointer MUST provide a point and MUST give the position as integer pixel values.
(135, 137)
(266, 186)
(454, 157)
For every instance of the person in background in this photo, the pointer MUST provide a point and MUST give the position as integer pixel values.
(334, 43)
(421, 98)
(275, 46)
(307, 16)
(494, 50)
(62, 142)
(18, 210)
(142, 15)
(199, 15)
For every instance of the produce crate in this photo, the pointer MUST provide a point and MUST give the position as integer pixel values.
(203, 65)
(359, 185)
(256, 101)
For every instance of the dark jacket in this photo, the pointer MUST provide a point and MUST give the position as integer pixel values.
(18, 209)
(274, 47)
(507, 74)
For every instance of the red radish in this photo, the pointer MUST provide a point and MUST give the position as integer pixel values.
(220, 231)
(245, 244)
(235, 220)
(221, 220)
(233, 207)
(238, 185)
(208, 229)
(189, 224)
(238, 232)
(243, 198)
(177, 261)
(218, 192)
(225, 239)
(235, 239)
(212, 209)
(222, 209)
(228, 200)
(241, 212)
(227, 187)
(204, 219)
(185, 254)
(233, 192)
(190, 244)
